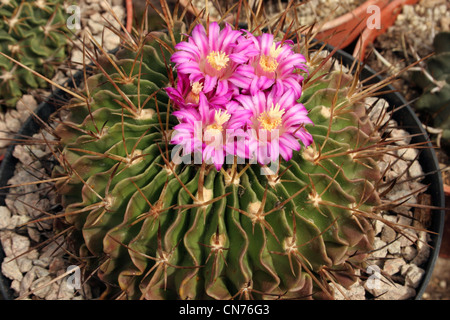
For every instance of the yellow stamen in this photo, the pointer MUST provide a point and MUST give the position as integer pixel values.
(271, 119)
(274, 51)
(219, 119)
(218, 60)
(197, 87)
(193, 96)
(268, 63)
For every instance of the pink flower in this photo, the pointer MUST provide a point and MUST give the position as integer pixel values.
(278, 65)
(277, 123)
(187, 94)
(215, 58)
(210, 131)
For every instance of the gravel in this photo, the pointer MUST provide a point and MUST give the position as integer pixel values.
(36, 265)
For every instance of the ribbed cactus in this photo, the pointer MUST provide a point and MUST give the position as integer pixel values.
(434, 103)
(166, 230)
(32, 32)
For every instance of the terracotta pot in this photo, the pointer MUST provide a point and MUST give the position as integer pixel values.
(345, 29)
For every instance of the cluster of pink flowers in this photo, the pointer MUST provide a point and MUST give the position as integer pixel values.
(236, 95)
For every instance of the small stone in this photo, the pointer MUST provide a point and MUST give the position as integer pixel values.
(27, 281)
(56, 264)
(387, 291)
(380, 249)
(400, 167)
(111, 40)
(400, 136)
(414, 275)
(119, 11)
(25, 264)
(423, 249)
(15, 285)
(378, 111)
(41, 287)
(408, 154)
(26, 103)
(378, 227)
(404, 221)
(14, 244)
(77, 57)
(409, 253)
(5, 216)
(95, 24)
(355, 292)
(395, 248)
(422, 256)
(388, 234)
(40, 272)
(10, 269)
(65, 292)
(415, 170)
(42, 262)
(34, 234)
(408, 237)
(393, 266)
(54, 249)
(53, 292)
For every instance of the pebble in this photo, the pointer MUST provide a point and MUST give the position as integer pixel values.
(409, 253)
(401, 137)
(12, 119)
(41, 285)
(393, 266)
(413, 275)
(388, 234)
(354, 292)
(5, 216)
(376, 106)
(395, 248)
(388, 291)
(10, 269)
(380, 249)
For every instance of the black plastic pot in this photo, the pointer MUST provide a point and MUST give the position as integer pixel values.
(405, 117)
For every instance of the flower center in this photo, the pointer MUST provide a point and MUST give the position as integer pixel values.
(271, 119)
(193, 95)
(218, 60)
(268, 63)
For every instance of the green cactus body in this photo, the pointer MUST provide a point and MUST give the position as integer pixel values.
(165, 231)
(32, 33)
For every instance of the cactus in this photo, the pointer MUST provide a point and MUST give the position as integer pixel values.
(434, 102)
(32, 32)
(161, 229)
